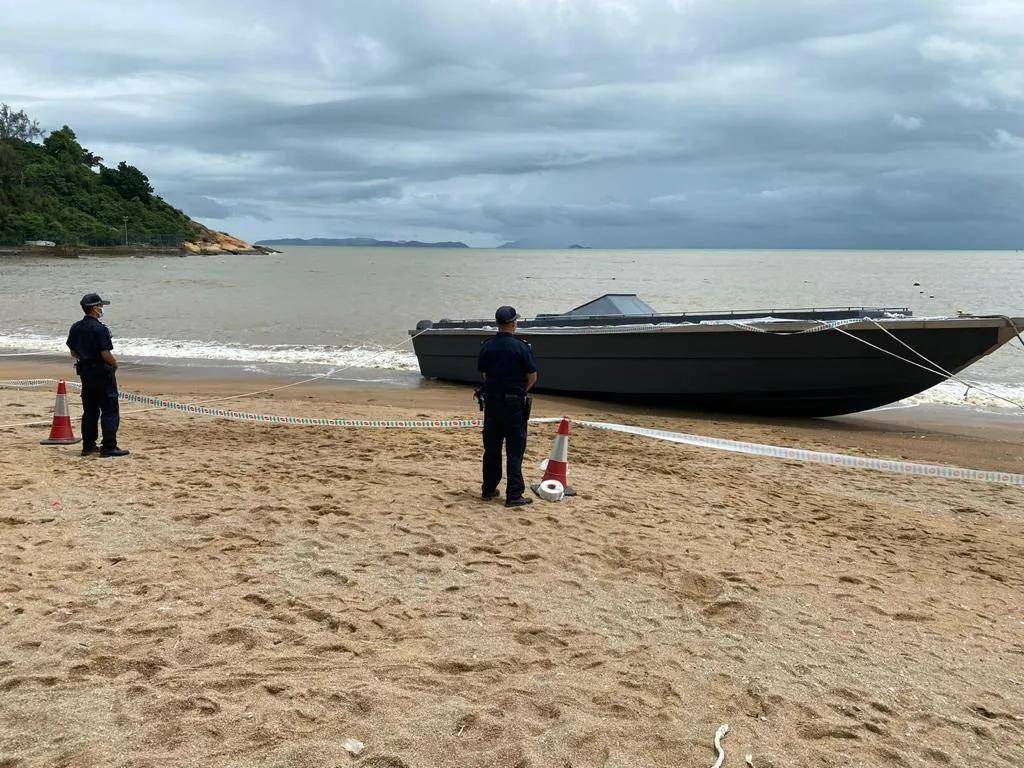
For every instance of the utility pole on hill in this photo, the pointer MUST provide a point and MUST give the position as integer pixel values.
(125, 230)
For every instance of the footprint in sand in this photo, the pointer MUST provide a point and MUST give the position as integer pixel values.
(246, 638)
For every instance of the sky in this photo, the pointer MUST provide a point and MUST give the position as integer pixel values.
(669, 123)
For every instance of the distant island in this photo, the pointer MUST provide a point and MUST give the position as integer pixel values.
(364, 242)
(58, 197)
(527, 245)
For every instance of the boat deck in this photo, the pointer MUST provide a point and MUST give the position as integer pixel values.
(583, 321)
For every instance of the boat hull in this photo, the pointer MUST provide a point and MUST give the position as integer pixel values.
(722, 367)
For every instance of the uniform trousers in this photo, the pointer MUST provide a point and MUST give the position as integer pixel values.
(505, 421)
(99, 405)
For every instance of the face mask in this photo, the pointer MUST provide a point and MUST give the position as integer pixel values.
(101, 313)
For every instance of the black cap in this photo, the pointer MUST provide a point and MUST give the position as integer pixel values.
(506, 315)
(93, 300)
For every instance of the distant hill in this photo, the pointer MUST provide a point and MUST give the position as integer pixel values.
(364, 242)
(532, 245)
(58, 191)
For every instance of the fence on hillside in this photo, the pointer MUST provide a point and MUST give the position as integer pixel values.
(94, 240)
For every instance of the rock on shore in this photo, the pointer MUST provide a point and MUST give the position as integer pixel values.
(211, 242)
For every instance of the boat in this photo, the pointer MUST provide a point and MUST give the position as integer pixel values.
(788, 362)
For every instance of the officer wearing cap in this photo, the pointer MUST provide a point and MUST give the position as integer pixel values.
(90, 344)
(509, 372)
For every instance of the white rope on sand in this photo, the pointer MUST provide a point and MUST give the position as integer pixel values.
(719, 735)
(700, 441)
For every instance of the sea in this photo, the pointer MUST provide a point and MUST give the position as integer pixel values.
(313, 310)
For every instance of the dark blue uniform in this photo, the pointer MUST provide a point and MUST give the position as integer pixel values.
(87, 339)
(506, 361)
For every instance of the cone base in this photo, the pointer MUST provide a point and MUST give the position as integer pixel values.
(61, 441)
(567, 492)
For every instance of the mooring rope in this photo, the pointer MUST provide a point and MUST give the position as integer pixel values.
(1016, 331)
(936, 369)
(950, 374)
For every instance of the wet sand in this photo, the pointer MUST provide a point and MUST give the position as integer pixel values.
(241, 595)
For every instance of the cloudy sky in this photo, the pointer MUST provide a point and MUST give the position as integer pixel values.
(687, 123)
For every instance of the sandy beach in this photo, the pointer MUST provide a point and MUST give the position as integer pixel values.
(241, 595)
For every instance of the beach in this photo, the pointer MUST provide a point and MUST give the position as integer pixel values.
(236, 594)
(302, 234)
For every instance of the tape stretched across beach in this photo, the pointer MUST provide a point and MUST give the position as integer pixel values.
(813, 457)
(699, 441)
(265, 418)
(300, 421)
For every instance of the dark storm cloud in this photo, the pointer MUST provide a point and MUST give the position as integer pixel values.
(601, 121)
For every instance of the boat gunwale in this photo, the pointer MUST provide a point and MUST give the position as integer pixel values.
(737, 326)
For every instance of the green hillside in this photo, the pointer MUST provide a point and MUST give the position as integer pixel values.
(57, 190)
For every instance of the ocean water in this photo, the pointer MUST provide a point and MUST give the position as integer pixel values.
(313, 309)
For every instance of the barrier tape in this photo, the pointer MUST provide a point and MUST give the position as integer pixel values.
(699, 441)
(814, 457)
(266, 418)
(304, 421)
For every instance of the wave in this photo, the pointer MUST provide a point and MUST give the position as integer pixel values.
(372, 356)
(348, 356)
(994, 397)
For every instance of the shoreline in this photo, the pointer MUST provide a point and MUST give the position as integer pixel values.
(922, 433)
(121, 252)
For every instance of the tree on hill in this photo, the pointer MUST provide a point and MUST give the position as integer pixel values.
(64, 144)
(11, 169)
(128, 180)
(18, 125)
(58, 190)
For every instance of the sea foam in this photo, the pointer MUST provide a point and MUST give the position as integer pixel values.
(347, 356)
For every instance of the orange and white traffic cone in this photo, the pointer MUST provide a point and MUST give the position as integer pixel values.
(61, 432)
(557, 466)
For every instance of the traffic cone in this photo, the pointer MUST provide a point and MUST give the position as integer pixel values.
(61, 432)
(557, 466)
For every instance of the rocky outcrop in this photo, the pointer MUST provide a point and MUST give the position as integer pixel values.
(209, 242)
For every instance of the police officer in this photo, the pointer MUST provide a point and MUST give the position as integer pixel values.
(90, 344)
(509, 372)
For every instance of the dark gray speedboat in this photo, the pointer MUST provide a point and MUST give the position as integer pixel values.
(808, 362)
